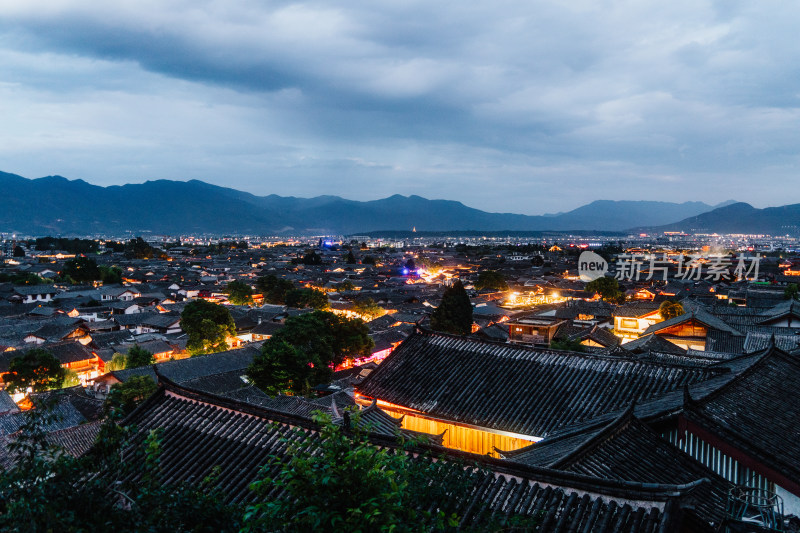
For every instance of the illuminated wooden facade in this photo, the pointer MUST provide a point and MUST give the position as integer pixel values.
(489, 395)
(464, 437)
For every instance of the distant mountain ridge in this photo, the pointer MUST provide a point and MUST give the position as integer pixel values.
(741, 217)
(56, 205)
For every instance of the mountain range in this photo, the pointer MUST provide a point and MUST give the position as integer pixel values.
(55, 205)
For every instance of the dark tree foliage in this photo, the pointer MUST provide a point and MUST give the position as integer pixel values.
(124, 397)
(115, 246)
(537, 261)
(138, 356)
(311, 258)
(345, 483)
(489, 279)
(568, 345)
(274, 289)
(607, 288)
(302, 298)
(110, 275)
(23, 278)
(670, 309)
(139, 249)
(81, 270)
(73, 246)
(303, 353)
(454, 314)
(18, 251)
(37, 369)
(791, 292)
(350, 258)
(368, 260)
(410, 264)
(47, 490)
(239, 293)
(208, 325)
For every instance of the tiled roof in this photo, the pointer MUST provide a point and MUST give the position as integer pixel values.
(757, 412)
(627, 449)
(201, 433)
(512, 388)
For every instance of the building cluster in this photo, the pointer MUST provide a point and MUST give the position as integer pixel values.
(592, 412)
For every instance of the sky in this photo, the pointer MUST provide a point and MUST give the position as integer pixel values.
(508, 106)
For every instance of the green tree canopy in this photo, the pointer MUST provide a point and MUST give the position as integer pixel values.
(489, 279)
(239, 293)
(117, 362)
(208, 326)
(124, 397)
(138, 248)
(454, 314)
(568, 345)
(367, 308)
(791, 292)
(670, 309)
(302, 298)
(36, 369)
(350, 258)
(274, 289)
(311, 258)
(110, 275)
(608, 289)
(345, 483)
(302, 353)
(138, 356)
(81, 270)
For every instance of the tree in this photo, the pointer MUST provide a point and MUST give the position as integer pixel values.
(208, 326)
(302, 298)
(791, 292)
(607, 288)
(350, 258)
(239, 293)
(454, 314)
(346, 285)
(537, 261)
(18, 251)
(303, 353)
(368, 260)
(46, 489)
(489, 279)
(311, 258)
(138, 356)
(124, 397)
(117, 362)
(670, 309)
(568, 345)
(345, 483)
(110, 275)
(368, 309)
(139, 249)
(81, 270)
(36, 369)
(274, 289)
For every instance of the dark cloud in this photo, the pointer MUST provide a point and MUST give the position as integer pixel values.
(559, 103)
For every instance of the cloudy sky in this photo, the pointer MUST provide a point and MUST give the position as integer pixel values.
(519, 106)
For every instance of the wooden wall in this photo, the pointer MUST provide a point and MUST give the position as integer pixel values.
(461, 437)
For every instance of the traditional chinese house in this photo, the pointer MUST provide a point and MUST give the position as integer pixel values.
(205, 434)
(487, 395)
(690, 330)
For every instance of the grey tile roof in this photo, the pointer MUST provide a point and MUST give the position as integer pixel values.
(516, 389)
(204, 432)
